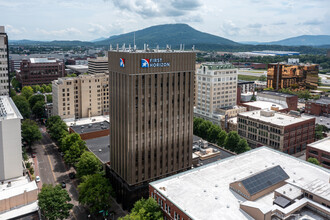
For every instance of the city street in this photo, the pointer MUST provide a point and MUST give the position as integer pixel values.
(52, 170)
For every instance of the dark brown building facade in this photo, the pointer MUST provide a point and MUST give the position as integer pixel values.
(318, 107)
(321, 151)
(281, 76)
(38, 71)
(151, 114)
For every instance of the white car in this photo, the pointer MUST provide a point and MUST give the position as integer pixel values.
(37, 179)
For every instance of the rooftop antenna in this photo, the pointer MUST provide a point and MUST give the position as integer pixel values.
(145, 47)
(182, 47)
(110, 46)
(134, 41)
(129, 47)
(157, 48)
(193, 48)
(123, 47)
(117, 47)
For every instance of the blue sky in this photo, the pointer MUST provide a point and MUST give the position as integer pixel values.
(238, 20)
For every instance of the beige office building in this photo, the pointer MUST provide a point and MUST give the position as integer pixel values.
(98, 65)
(151, 114)
(216, 91)
(82, 96)
(4, 85)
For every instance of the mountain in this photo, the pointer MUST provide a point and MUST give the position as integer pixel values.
(98, 39)
(171, 34)
(303, 40)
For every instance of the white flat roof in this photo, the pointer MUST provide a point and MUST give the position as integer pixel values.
(82, 121)
(290, 191)
(42, 60)
(18, 186)
(77, 67)
(323, 144)
(280, 119)
(203, 193)
(264, 105)
(8, 109)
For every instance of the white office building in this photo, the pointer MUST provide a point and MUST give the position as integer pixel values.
(216, 91)
(10, 140)
(4, 86)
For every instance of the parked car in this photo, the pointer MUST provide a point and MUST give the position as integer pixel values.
(63, 184)
(33, 155)
(37, 179)
(72, 175)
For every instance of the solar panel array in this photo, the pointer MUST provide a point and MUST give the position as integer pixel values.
(265, 179)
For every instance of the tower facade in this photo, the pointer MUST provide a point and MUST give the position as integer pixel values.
(151, 114)
(4, 74)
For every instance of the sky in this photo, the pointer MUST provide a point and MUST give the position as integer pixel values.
(238, 20)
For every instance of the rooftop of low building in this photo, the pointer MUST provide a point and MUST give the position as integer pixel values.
(323, 144)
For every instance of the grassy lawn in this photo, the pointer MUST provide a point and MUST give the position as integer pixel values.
(248, 78)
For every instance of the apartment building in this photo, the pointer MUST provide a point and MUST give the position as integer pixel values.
(151, 118)
(82, 96)
(285, 75)
(318, 107)
(216, 88)
(261, 184)
(4, 65)
(38, 71)
(289, 133)
(98, 65)
(321, 151)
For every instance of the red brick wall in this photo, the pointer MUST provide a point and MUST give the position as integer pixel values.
(319, 155)
(292, 103)
(313, 108)
(92, 135)
(158, 197)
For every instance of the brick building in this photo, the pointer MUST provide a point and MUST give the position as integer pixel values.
(38, 71)
(318, 107)
(91, 130)
(321, 151)
(282, 75)
(284, 132)
(261, 184)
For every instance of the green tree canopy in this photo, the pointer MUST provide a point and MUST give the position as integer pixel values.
(262, 78)
(94, 192)
(58, 130)
(203, 128)
(221, 138)
(213, 133)
(242, 146)
(49, 98)
(69, 140)
(27, 92)
(88, 164)
(72, 155)
(314, 161)
(22, 105)
(54, 202)
(30, 132)
(231, 141)
(12, 92)
(39, 109)
(52, 120)
(48, 88)
(35, 98)
(145, 210)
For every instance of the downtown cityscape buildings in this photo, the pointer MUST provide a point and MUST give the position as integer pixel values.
(200, 133)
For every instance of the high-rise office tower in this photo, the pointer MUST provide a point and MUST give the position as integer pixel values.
(4, 75)
(151, 115)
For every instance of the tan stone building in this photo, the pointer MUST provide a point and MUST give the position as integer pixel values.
(4, 85)
(98, 65)
(151, 116)
(82, 96)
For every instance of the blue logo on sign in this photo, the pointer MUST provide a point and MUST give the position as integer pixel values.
(144, 63)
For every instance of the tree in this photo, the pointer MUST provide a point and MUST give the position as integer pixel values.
(35, 98)
(30, 132)
(94, 192)
(48, 88)
(54, 202)
(72, 155)
(49, 98)
(12, 92)
(52, 120)
(314, 161)
(58, 130)
(145, 210)
(242, 146)
(221, 138)
(203, 128)
(71, 139)
(23, 106)
(231, 141)
(213, 133)
(253, 98)
(262, 78)
(27, 92)
(88, 164)
(197, 122)
(39, 109)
